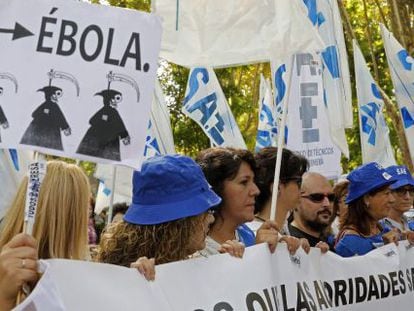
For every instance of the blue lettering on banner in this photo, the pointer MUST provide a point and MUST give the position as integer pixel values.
(315, 17)
(151, 143)
(403, 57)
(106, 191)
(375, 91)
(369, 120)
(207, 106)
(407, 117)
(280, 85)
(330, 58)
(15, 158)
(193, 84)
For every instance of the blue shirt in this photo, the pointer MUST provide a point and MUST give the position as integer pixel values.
(352, 244)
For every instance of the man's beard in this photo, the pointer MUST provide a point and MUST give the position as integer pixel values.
(316, 225)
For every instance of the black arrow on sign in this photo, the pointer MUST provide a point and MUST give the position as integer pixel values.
(18, 32)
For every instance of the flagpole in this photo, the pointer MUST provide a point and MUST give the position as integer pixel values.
(111, 201)
(280, 144)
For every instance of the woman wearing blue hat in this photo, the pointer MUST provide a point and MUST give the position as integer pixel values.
(369, 200)
(231, 174)
(168, 219)
(403, 190)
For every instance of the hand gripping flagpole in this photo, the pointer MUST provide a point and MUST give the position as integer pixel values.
(36, 173)
(280, 144)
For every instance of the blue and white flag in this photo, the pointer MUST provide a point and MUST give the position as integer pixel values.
(267, 127)
(206, 104)
(401, 65)
(159, 137)
(374, 133)
(324, 14)
(13, 167)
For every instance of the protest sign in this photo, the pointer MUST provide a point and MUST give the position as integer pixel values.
(308, 126)
(380, 280)
(79, 78)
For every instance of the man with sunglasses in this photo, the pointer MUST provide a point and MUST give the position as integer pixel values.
(312, 217)
(403, 191)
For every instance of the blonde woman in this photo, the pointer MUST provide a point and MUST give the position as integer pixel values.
(61, 225)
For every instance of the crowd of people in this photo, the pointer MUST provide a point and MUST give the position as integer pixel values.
(218, 203)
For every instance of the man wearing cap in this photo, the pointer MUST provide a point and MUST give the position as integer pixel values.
(403, 191)
(369, 199)
(311, 218)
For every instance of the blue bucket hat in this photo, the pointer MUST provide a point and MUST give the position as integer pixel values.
(365, 179)
(401, 175)
(168, 188)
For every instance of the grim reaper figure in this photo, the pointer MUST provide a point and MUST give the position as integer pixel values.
(4, 123)
(107, 128)
(48, 119)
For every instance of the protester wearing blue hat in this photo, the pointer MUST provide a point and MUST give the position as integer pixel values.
(403, 190)
(369, 200)
(169, 217)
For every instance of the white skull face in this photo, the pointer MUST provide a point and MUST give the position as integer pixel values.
(56, 96)
(114, 101)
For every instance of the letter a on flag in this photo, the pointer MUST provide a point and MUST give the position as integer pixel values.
(267, 128)
(374, 133)
(402, 74)
(206, 104)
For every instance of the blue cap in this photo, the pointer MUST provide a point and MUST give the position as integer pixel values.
(365, 179)
(168, 188)
(402, 176)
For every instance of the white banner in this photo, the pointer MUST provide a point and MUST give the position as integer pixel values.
(80, 78)
(380, 280)
(374, 133)
(308, 126)
(220, 33)
(401, 66)
(206, 104)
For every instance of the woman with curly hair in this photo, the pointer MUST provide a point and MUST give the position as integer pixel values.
(168, 219)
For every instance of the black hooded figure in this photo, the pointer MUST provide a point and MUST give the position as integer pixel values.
(106, 129)
(3, 120)
(48, 121)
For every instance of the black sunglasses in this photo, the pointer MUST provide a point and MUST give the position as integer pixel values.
(403, 190)
(319, 197)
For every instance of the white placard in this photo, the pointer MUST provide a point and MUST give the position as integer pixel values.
(78, 78)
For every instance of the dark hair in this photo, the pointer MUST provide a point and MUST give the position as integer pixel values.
(357, 216)
(340, 189)
(120, 208)
(219, 164)
(293, 165)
